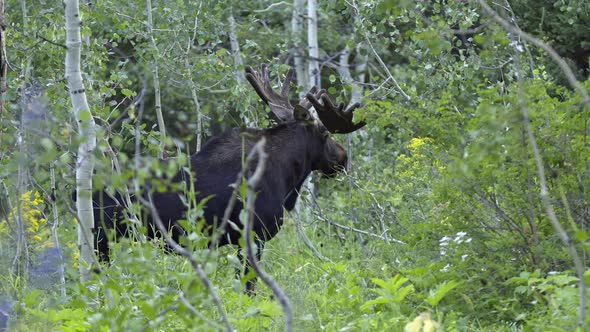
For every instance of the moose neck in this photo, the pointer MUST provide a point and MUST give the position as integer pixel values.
(290, 151)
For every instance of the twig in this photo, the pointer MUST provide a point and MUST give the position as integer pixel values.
(355, 221)
(132, 217)
(51, 42)
(307, 241)
(551, 213)
(137, 156)
(356, 230)
(197, 313)
(273, 5)
(382, 223)
(21, 256)
(266, 278)
(3, 60)
(188, 255)
(368, 40)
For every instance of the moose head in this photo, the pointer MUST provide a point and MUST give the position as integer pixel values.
(325, 154)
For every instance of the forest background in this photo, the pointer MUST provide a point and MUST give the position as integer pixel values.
(466, 206)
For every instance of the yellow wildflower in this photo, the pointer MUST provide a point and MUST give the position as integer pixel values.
(31, 210)
(422, 323)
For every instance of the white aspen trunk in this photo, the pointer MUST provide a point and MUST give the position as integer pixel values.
(61, 266)
(312, 43)
(235, 51)
(21, 256)
(250, 119)
(346, 76)
(158, 102)
(19, 264)
(313, 66)
(86, 129)
(191, 82)
(3, 63)
(298, 55)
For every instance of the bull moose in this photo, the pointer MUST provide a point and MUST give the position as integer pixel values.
(298, 145)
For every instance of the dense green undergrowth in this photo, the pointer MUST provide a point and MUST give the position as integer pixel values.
(371, 287)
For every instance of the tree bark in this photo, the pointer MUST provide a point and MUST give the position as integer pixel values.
(3, 62)
(298, 55)
(312, 44)
(235, 51)
(250, 119)
(61, 266)
(87, 131)
(313, 69)
(158, 102)
(192, 85)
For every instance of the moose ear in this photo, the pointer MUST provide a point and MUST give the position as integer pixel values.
(300, 113)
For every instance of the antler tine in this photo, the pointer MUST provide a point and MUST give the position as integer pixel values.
(287, 82)
(305, 103)
(335, 118)
(279, 103)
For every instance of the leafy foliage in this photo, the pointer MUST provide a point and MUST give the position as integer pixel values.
(448, 171)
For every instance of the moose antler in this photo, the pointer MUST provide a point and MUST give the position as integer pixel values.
(279, 103)
(335, 118)
(305, 103)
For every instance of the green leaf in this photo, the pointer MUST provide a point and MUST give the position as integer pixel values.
(581, 236)
(84, 115)
(441, 291)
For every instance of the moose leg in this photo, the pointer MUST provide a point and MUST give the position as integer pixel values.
(250, 284)
(101, 244)
(108, 217)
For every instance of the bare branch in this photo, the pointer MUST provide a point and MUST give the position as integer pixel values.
(307, 241)
(281, 3)
(368, 40)
(197, 312)
(360, 231)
